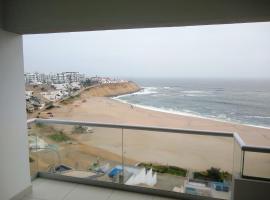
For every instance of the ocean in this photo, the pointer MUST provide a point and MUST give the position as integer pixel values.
(238, 101)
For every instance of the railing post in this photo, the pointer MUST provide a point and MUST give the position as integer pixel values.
(121, 178)
(37, 153)
(242, 162)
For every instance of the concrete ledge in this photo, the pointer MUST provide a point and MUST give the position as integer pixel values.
(23, 193)
(251, 189)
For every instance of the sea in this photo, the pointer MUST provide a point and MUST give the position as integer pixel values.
(238, 101)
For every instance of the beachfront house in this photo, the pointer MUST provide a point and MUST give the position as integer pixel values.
(20, 17)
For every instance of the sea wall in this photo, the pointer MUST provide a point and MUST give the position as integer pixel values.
(113, 89)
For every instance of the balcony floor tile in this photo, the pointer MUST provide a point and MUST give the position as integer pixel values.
(122, 195)
(45, 189)
(85, 192)
(50, 189)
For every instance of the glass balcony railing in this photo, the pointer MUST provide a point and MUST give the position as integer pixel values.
(256, 163)
(182, 163)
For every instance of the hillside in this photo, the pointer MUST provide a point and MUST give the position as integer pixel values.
(112, 89)
(104, 90)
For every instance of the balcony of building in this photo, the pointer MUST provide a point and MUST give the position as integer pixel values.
(247, 166)
(48, 189)
(109, 155)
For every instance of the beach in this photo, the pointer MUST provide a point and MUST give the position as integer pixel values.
(194, 152)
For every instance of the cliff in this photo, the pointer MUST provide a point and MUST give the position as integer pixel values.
(112, 89)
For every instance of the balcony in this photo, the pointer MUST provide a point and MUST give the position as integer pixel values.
(184, 165)
(55, 190)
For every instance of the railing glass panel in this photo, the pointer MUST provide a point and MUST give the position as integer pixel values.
(256, 165)
(33, 157)
(79, 151)
(179, 162)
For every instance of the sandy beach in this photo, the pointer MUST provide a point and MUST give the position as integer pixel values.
(187, 151)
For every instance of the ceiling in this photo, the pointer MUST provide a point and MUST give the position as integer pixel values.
(49, 16)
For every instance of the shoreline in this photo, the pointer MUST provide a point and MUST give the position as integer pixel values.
(111, 110)
(183, 114)
(183, 150)
(189, 151)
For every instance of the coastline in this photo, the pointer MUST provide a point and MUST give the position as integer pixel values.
(196, 152)
(175, 112)
(104, 96)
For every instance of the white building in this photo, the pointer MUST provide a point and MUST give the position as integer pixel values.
(28, 94)
(30, 78)
(57, 78)
(141, 176)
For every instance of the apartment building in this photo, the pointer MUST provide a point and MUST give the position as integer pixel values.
(56, 78)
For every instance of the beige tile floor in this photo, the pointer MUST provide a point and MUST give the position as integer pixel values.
(44, 189)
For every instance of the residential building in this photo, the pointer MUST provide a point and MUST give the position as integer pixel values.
(56, 78)
(36, 17)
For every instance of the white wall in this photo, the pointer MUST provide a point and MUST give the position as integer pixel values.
(14, 166)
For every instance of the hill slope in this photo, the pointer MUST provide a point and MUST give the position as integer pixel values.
(113, 89)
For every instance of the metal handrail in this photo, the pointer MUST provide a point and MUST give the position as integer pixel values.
(239, 139)
(259, 149)
(236, 136)
(135, 127)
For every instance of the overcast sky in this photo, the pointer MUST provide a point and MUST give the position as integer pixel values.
(225, 51)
